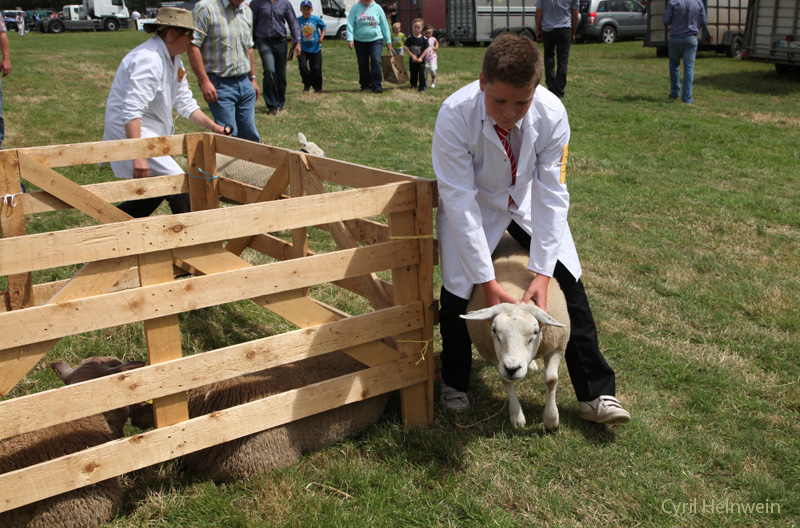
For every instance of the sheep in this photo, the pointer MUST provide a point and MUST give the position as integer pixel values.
(253, 173)
(89, 506)
(508, 335)
(280, 446)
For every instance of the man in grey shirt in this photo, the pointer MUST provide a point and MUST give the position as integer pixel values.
(556, 25)
(270, 18)
(686, 19)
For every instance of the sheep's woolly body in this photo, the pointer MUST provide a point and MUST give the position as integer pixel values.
(513, 347)
(85, 507)
(283, 445)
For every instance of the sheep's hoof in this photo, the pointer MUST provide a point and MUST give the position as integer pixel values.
(518, 421)
(551, 423)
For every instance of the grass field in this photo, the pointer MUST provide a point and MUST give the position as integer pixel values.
(687, 219)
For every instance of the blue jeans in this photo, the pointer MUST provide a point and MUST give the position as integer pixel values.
(236, 105)
(682, 48)
(273, 54)
(369, 54)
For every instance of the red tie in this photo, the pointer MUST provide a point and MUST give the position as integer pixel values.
(502, 133)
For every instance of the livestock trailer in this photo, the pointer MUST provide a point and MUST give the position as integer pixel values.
(482, 20)
(723, 34)
(773, 34)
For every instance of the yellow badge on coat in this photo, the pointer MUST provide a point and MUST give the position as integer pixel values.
(564, 165)
(182, 75)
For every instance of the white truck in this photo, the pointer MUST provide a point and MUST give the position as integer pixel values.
(773, 34)
(92, 15)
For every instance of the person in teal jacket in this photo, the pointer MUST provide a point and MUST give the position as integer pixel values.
(367, 30)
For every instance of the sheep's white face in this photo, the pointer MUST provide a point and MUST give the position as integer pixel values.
(516, 335)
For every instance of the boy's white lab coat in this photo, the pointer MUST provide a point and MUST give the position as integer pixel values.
(474, 180)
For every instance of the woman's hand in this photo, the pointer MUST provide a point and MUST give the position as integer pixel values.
(141, 169)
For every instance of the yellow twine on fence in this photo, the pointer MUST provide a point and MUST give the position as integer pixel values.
(428, 342)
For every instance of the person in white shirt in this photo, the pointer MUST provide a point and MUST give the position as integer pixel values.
(149, 84)
(499, 153)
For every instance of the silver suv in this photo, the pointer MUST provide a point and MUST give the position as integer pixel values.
(609, 20)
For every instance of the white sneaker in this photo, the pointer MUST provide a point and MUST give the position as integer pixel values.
(433, 84)
(604, 410)
(453, 400)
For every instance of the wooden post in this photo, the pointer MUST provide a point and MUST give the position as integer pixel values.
(12, 223)
(203, 185)
(296, 190)
(409, 282)
(163, 338)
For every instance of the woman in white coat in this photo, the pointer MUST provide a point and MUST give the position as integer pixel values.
(499, 153)
(149, 84)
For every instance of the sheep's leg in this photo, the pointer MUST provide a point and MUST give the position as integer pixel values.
(532, 366)
(514, 408)
(551, 363)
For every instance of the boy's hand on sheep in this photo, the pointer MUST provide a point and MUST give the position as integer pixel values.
(495, 294)
(537, 292)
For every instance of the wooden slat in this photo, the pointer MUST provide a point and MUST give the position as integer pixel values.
(116, 191)
(163, 336)
(43, 409)
(344, 239)
(69, 192)
(203, 186)
(249, 151)
(98, 463)
(31, 325)
(356, 176)
(48, 250)
(278, 249)
(272, 190)
(294, 306)
(93, 279)
(12, 224)
(43, 292)
(105, 151)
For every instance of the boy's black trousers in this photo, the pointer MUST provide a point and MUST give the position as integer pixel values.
(589, 372)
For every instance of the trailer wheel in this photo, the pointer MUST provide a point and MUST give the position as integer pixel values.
(56, 26)
(662, 52)
(736, 47)
(609, 34)
(110, 25)
(528, 34)
(443, 40)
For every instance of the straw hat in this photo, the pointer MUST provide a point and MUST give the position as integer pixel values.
(173, 17)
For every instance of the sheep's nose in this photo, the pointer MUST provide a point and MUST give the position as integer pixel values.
(511, 371)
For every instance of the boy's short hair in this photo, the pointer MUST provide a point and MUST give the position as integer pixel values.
(396, 26)
(513, 60)
(421, 22)
(426, 27)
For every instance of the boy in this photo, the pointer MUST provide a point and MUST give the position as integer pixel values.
(312, 31)
(431, 59)
(499, 153)
(398, 38)
(417, 47)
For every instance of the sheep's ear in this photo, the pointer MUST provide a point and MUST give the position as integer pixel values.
(130, 365)
(542, 316)
(486, 313)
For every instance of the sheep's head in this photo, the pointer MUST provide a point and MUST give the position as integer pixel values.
(516, 333)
